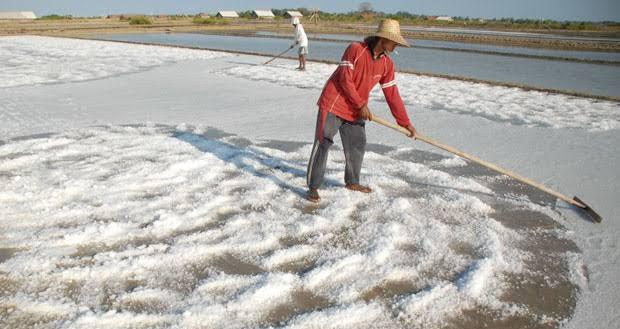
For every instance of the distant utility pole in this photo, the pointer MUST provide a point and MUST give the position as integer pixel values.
(315, 16)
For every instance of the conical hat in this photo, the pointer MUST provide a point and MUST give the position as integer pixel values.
(390, 29)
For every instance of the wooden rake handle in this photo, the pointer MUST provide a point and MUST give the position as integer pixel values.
(479, 161)
(278, 55)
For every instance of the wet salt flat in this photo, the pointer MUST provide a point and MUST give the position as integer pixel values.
(30, 62)
(170, 227)
(511, 105)
(579, 77)
(169, 194)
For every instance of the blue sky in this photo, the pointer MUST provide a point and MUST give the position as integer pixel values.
(592, 10)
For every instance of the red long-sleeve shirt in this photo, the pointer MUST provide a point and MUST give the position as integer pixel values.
(348, 89)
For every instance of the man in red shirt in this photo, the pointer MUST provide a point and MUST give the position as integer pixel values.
(343, 105)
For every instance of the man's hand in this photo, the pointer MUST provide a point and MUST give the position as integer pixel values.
(365, 113)
(412, 131)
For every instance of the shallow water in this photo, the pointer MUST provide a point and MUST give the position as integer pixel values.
(528, 35)
(580, 77)
(587, 55)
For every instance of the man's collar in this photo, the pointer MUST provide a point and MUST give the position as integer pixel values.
(381, 54)
(372, 52)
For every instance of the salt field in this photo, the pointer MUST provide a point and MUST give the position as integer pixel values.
(157, 187)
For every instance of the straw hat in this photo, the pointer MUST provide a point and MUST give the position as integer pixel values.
(390, 29)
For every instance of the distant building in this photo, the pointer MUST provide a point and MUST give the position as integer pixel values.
(227, 14)
(263, 14)
(203, 15)
(292, 13)
(445, 18)
(17, 15)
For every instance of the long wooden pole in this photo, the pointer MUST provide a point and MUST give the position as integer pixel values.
(472, 158)
(278, 55)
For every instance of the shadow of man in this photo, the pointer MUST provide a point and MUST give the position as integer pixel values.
(251, 161)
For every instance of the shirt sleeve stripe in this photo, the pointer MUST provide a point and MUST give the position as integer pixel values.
(346, 63)
(388, 84)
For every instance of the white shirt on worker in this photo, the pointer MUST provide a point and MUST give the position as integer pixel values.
(300, 36)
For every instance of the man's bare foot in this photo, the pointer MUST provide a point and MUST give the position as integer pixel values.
(359, 188)
(313, 195)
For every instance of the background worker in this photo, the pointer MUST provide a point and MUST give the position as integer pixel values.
(302, 40)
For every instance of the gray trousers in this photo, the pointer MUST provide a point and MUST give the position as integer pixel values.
(353, 136)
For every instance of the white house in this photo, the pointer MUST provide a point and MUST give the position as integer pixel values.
(227, 14)
(263, 14)
(445, 18)
(17, 15)
(292, 13)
